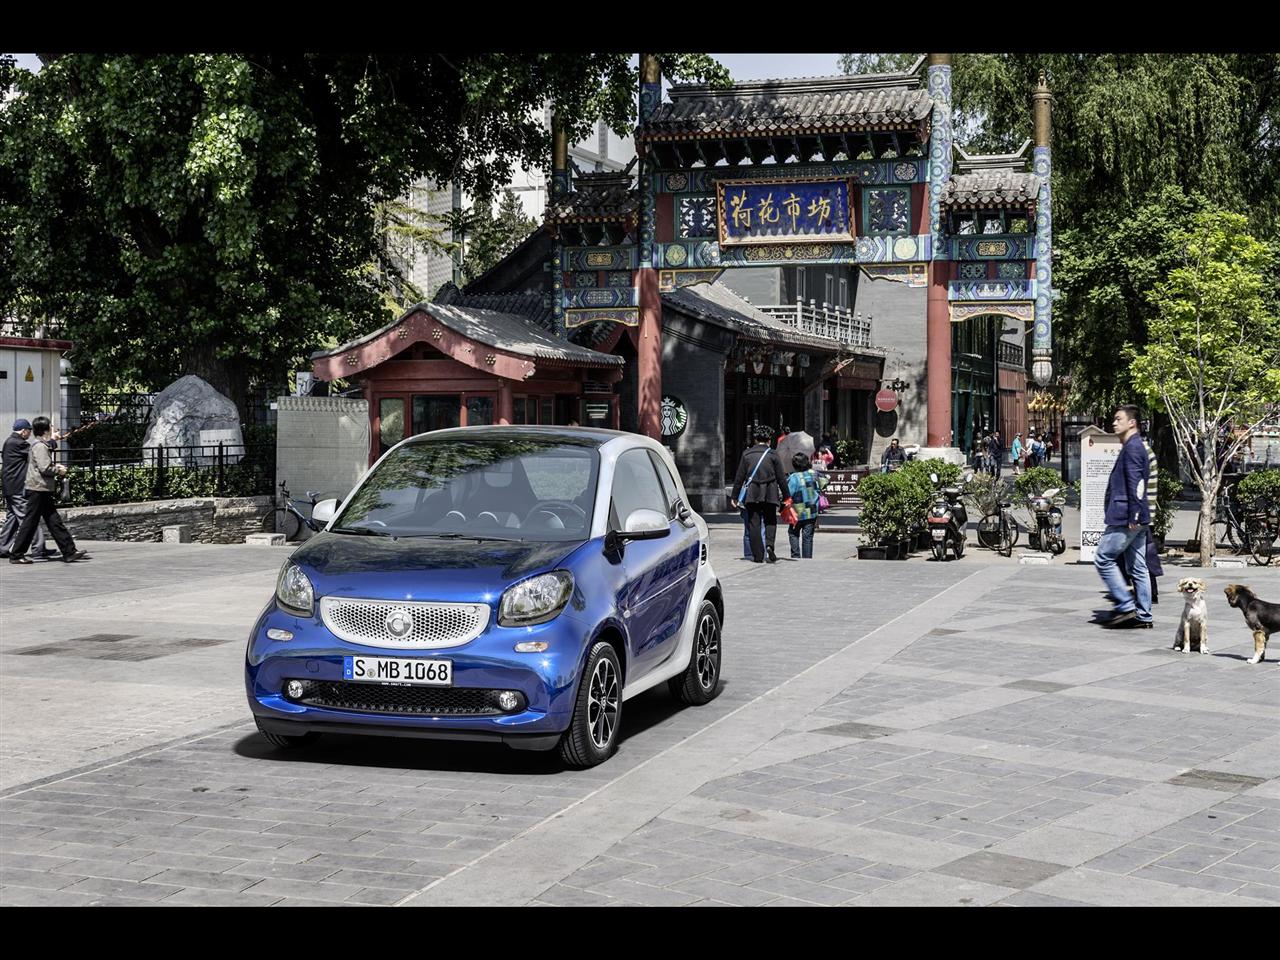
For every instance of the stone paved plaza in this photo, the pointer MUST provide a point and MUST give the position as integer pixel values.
(888, 733)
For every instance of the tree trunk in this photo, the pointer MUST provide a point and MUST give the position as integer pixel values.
(1208, 494)
(227, 376)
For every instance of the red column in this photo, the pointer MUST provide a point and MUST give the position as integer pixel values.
(938, 358)
(506, 402)
(649, 356)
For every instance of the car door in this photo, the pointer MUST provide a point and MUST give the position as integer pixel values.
(656, 570)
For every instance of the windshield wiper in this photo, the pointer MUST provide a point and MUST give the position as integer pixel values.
(363, 531)
(460, 536)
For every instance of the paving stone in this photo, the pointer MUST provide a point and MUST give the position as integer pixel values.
(198, 897)
(107, 888)
(1182, 878)
(813, 893)
(724, 892)
(1000, 869)
(1028, 898)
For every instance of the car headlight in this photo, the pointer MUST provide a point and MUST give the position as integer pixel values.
(293, 590)
(535, 600)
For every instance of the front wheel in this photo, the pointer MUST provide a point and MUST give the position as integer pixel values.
(1261, 535)
(592, 736)
(1008, 536)
(940, 550)
(1057, 546)
(700, 682)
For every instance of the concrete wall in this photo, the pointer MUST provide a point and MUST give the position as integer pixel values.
(898, 325)
(211, 519)
(762, 285)
(322, 444)
(693, 356)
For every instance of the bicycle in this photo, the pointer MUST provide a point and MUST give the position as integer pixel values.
(1262, 530)
(289, 520)
(998, 530)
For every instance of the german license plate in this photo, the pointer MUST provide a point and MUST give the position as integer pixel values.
(424, 673)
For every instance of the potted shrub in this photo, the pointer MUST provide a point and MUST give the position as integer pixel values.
(891, 507)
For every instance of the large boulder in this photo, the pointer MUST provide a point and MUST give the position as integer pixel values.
(190, 413)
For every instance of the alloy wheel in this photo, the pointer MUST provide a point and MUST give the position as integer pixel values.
(602, 703)
(708, 653)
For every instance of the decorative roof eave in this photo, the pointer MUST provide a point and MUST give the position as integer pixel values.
(417, 325)
(722, 133)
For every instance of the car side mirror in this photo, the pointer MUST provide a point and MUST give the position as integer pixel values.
(645, 524)
(323, 512)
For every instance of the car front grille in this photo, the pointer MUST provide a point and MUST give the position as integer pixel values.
(433, 625)
(409, 700)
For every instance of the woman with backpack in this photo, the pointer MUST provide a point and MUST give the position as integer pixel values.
(805, 486)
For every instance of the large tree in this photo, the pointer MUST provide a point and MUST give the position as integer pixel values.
(494, 233)
(219, 214)
(1212, 356)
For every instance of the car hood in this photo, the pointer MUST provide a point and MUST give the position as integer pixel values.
(423, 569)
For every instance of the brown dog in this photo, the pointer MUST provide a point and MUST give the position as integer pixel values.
(1263, 618)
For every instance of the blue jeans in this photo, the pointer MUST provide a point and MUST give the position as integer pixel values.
(801, 537)
(746, 534)
(1132, 544)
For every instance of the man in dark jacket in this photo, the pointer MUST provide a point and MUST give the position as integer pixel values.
(1127, 516)
(13, 463)
(41, 481)
(995, 451)
(893, 457)
(766, 490)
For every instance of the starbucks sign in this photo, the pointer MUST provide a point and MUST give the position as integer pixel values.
(674, 416)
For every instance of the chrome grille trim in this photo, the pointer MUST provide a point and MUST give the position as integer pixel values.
(435, 625)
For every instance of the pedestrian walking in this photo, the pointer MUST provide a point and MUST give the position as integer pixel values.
(760, 487)
(805, 486)
(41, 484)
(1126, 518)
(1016, 453)
(13, 465)
(995, 451)
(1155, 568)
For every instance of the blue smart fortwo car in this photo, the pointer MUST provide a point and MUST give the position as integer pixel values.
(503, 583)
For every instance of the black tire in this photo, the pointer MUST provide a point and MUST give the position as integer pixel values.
(959, 547)
(989, 532)
(940, 550)
(283, 742)
(1261, 535)
(288, 523)
(592, 736)
(1058, 546)
(1008, 536)
(700, 682)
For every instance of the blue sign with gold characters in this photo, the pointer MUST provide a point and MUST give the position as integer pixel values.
(783, 211)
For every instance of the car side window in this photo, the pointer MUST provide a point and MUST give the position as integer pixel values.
(636, 486)
(669, 489)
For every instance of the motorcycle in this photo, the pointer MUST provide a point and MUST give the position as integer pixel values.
(1046, 510)
(947, 521)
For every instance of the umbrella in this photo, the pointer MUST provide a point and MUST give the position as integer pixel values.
(795, 442)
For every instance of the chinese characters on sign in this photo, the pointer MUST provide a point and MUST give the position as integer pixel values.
(783, 211)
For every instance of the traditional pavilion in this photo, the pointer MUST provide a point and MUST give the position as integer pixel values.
(681, 298)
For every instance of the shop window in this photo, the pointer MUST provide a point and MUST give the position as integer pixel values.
(479, 411)
(517, 410)
(390, 422)
(547, 409)
(437, 411)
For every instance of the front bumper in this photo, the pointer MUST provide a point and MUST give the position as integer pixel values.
(546, 682)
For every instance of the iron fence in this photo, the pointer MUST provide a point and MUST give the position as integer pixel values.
(101, 475)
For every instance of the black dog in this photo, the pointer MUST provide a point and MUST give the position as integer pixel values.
(1263, 618)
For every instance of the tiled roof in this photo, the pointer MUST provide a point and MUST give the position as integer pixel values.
(597, 196)
(508, 331)
(791, 106)
(529, 305)
(991, 188)
(718, 304)
(505, 331)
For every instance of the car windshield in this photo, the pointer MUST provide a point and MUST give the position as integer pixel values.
(491, 487)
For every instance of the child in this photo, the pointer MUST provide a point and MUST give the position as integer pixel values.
(804, 486)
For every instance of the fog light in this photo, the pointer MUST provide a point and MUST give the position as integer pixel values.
(532, 646)
(294, 689)
(276, 634)
(508, 700)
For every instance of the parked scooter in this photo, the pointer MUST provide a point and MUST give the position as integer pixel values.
(947, 521)
(1046, 510)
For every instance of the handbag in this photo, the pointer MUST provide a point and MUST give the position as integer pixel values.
(823, 503)
(742, 494)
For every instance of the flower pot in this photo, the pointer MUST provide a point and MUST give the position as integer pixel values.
(924, 541)
(904, 551)
(874, 553)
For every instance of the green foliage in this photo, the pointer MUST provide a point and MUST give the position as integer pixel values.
(1168, 486)
(893, 505)
(876, 62)
(134, 484)
(1213, 347)
(491, 235)
(1256, 489)
(949, 474)
(108, 433)
(218, 214)
(1035, 481)
(850, 451)
(984, 494)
